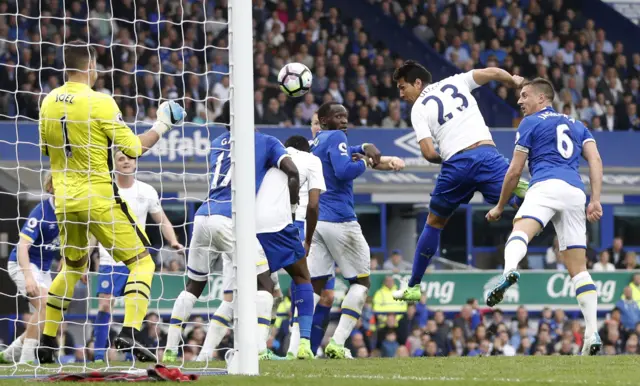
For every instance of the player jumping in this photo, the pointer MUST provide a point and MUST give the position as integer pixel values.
(77, 128)
(311, 186)
(141, 198)
(338, 238)
(553, 144)
(28, 267)
(445, 113)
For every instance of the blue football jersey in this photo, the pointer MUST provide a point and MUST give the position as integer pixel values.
(336, 204)
(554, 143)
(269, 152)
(42, 229)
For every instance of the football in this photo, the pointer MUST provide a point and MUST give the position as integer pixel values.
(295, 79)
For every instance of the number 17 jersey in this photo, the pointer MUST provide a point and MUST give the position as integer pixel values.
(553, 142)
(447, 112)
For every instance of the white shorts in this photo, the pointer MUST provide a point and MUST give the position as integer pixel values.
(563, 205)
(213, 237)
(342, 244)
(43, 278)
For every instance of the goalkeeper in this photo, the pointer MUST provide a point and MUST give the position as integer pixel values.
(79, 128)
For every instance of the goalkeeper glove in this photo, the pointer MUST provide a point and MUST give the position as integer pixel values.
(169, 113)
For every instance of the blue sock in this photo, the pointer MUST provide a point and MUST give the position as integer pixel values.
(101, 335)
(320, 316)
(304, 304)
(426, 248)
(292, 291)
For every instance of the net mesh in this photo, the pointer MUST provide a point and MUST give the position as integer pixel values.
(147, 52)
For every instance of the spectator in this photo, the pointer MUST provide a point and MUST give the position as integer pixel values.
(394, 119)
(275, 115)
(383, 302)
(309, 107)
(631, 261)
(464, 321)
(617, 252)
(396, 262)
(629, 309)
(603, 264)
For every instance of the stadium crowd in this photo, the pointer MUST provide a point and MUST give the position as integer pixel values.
(178, 50)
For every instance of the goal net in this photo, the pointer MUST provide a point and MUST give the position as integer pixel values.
(148, 51)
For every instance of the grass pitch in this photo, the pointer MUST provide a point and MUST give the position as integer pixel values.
(556, 370)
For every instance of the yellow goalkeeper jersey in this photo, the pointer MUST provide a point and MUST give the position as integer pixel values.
(79, 130)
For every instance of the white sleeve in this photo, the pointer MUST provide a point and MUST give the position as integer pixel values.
(468, 80)
(316, 178)
(420, 123)
(153, 199)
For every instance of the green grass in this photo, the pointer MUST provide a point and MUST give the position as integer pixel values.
(601, 370)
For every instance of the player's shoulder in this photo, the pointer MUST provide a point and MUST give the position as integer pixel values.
(146, 190)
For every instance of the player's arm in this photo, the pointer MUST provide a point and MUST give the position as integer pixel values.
(316, 187)
(28, 234)
(390, 163)
(289, 168)
(44, 149)
(592, 155)
(368, 149)
(166, 227)
(480, 77)
(512, 177)
(343, 166)
(421, 127)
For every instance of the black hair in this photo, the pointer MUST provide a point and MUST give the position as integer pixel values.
(543, 86)
(225, 116)
(77, 54)
(323, 111)
(298, 142)
(410, 71)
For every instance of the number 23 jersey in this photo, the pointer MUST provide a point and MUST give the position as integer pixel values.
(447, 112)
(554, 143)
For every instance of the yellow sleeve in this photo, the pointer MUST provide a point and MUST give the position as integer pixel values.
(111, 122)
(44, 149)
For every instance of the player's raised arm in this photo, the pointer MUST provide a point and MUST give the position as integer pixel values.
(592, 155)
(368, 149)
(483, 76)
(390, 163)
(344, 167)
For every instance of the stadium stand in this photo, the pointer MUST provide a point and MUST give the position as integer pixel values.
(598, 82)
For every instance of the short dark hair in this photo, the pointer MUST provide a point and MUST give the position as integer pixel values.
(77, 54)
(298, 142)
(543, 86)
(323, 111)
(225, 115)
(410, 71)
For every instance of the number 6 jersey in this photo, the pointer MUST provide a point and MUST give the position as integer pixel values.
(447, 112)
(554, 143)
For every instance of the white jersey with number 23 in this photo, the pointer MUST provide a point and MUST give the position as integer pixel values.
(447, 112)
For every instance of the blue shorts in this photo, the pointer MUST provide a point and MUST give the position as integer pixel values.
(112, 279)
(282, 248)
(481, 169)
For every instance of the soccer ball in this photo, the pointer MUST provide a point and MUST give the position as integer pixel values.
(295, 79)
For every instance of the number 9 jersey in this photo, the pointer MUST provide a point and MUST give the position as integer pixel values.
(447, 112)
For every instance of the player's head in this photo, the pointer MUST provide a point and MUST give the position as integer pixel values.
(315, 125)
(333, 116)
(47, 183)
(225, 115)
(124, 164)
(298, 142)
(535, 95)
(80, 60)
(411, 78)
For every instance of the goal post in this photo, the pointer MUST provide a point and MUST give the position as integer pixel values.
(245, 359)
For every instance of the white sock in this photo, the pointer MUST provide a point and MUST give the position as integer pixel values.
(180, 314)
(218, 325)
(294, 339)
(587, 296)
(515, 250)
(14, 350)
(351, 309)
(264, 304)
(29, 347)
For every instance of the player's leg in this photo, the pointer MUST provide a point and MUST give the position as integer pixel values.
(112, 280)
(352, 254)
(453, 187)
(116, 229)
(221, 320)
(74, 245)
(38, 309)
(570, 225)
(12, 353)
(264, 307)
(534, 214)
(209, 232)
(321, 314)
